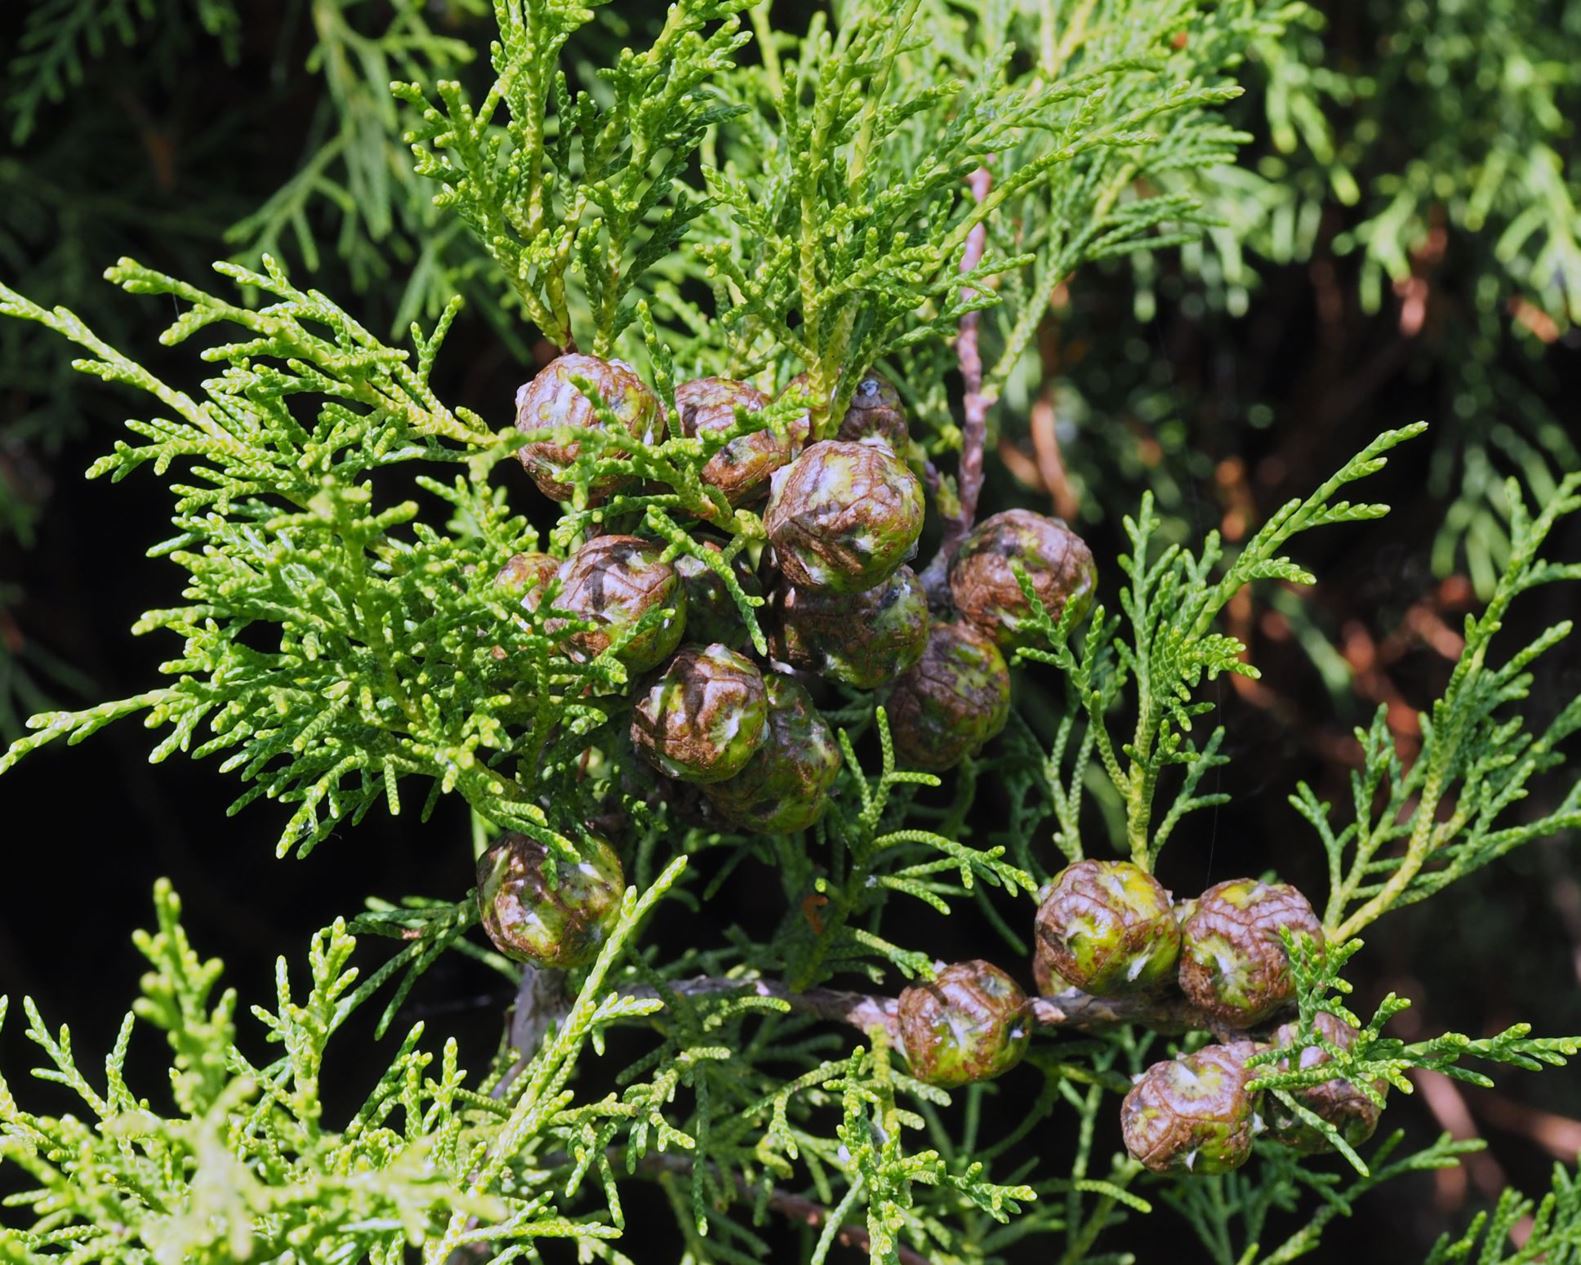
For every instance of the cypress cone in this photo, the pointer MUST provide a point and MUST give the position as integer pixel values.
(844, 516)
(1233, 963)
(875, 412)
(953, 700)
(1107, 927)
(741, 468)
(1337, 1102)
(785, 786)
(859, 639)
(969, 1023)
(1193, 1114)
(614, 582)
(703, 718)
(1054, 559)
(560, 923)
(552, 399)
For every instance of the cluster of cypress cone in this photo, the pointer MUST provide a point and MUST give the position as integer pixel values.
(1109, 929)
(842, 518)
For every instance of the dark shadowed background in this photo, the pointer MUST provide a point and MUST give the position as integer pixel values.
(165, 146)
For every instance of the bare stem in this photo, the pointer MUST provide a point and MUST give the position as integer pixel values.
(859, 1010)
(975, 404)
(541, 1003)
(1083, 1012)
(1072, 1009)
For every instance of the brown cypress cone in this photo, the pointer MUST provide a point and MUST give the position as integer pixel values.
(785, 786)
(524, 576)
(703, 718)
(613, 582)
(1337, 1102)
(875, 412)
(969, 1023)
(1193, 1114)
(560, 923)
(953, 700)
(859, 639)
(844, 516)
(527, 574)
(711, 613)
(552, 399)
(741, 468)
(1107, 927)
(1055, 560)
(1233, 964)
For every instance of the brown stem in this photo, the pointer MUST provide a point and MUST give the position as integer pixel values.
(1073, 1009)
(967, 352)
(861, 1011)
(541, 1003)
(1085, 1013)
(974, 404)
(792, 1207)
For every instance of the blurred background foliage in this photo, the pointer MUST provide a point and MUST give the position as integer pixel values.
(1400, 239)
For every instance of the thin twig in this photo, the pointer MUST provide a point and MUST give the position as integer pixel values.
(541, 1003)
(967, 352)
(1085, 1013)
(1072, 1009)
(975, 404)
(859, 1010)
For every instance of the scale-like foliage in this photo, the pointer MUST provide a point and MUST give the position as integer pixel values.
(342, 632)
(1452, 809)
(242, 1164)
(1170, 607)
(601, 194)
(376, 669)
